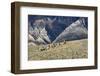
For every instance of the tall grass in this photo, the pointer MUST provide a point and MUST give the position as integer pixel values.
(70, 50)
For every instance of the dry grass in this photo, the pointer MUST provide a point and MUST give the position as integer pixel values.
(70, 50)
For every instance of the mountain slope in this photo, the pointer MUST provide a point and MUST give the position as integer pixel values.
(38, 33)
(54, 25)
(48, 29)
(75, 31)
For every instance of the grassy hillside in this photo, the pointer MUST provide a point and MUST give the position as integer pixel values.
(65, 50)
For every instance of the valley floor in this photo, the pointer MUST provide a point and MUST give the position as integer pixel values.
(69, 50)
